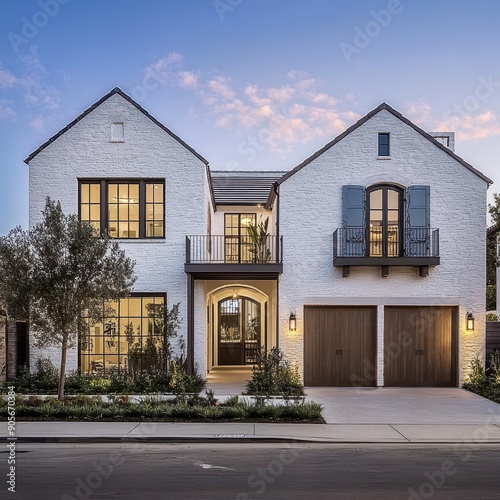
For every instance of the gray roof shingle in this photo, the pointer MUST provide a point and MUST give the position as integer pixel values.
(243, 188)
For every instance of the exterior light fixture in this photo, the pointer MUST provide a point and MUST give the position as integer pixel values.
(470, 321)
(292, 322)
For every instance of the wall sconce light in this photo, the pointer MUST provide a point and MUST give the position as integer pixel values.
(292, 323)
(470, 321)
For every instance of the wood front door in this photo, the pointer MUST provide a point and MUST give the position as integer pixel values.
(420, 346)
(340, 346)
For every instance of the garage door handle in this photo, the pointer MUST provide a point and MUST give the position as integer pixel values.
(419, 352)
(339, 351)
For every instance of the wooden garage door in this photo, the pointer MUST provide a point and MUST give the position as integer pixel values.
(420, 346)
(340, 346)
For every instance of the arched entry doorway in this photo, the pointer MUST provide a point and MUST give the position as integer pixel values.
(239, 330)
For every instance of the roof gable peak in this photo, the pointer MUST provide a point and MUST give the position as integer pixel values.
(112, 92)
(364, 119)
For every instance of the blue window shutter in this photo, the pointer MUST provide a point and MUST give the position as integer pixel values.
(353, 221)
(353, 206)
(418, 221)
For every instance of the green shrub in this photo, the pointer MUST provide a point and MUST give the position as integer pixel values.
(477, 374)
(274, 375)
(494, 369)
(45, 381)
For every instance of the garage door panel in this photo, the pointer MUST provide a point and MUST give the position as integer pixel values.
(339, 346)
(419, 346)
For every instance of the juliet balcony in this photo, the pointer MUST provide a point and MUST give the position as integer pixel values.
(226, 257)
(386, 246)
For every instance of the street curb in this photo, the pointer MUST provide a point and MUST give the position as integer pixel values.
(247, 439)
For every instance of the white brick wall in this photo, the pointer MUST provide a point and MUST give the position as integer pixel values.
(85, 151)
(310, 206)
(310, 212)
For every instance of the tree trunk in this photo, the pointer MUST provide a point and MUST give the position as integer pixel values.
(62, 373)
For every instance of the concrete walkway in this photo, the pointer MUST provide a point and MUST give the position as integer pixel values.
(126, 432)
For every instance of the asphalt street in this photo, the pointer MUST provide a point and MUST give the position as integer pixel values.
(246, 471)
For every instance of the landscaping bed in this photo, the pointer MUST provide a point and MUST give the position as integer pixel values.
(188, 408)
(485, 383)
(489, 390)
(274, 394)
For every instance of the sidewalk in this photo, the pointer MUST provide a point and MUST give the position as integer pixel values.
(160, 432)
(381, 415)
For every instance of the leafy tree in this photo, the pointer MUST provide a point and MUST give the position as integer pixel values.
(491, 256)
(494, 209)
(64, 274)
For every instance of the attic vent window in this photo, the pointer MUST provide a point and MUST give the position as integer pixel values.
(383, 145)
(117, 132)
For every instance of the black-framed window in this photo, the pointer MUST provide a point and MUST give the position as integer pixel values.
(125, 208)
(126, 337)
(384, 144)
(237, 239)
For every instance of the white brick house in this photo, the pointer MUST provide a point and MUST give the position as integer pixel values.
(383, 301)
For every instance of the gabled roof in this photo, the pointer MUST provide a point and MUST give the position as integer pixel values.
(120, 92)
(243, 187)
(397, 114)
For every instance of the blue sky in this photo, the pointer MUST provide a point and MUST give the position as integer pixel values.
(250, 84)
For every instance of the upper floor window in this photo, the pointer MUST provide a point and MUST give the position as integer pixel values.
(386, 221)
(128, 209)
(383, 144)
(237, 240)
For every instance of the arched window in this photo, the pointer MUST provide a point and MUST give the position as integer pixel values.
(385, 221)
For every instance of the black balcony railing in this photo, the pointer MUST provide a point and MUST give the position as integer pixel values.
(204, 249)
(411, 242)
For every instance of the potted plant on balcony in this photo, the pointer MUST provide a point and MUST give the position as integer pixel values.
(259, 239)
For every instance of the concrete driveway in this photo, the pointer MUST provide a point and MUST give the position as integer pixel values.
(381, 405)
(391, 405)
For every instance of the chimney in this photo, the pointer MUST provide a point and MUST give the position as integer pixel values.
(447, 139)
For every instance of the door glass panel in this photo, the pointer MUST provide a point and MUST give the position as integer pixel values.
(252, 323)
(376, 223)
(229, 321)
(237, 240)
(385, 225)
(392, 199)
